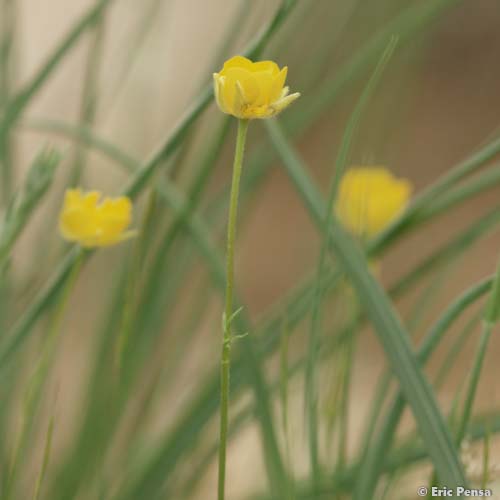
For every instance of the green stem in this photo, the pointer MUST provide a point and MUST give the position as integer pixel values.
(348, 359)
(228, 312)
(8, 37)
(474, 381)
(491, 317)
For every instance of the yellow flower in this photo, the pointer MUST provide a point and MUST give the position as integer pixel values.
(370, 198)
(86, 220)
(248, 90)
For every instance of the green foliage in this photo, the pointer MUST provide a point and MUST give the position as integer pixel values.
(139, 421)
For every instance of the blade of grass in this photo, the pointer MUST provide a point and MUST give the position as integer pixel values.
(455, 349)
(464, 240)
(490, 318)
(45, 460)
(480, 183)
(430, 294)
(485, 480)
(8, 35)
(284, 375)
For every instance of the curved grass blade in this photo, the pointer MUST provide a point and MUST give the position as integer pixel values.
(8, 46)
(490, 318)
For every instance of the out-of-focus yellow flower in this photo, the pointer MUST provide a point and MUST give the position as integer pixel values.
(248, 90)
(90, 222)
(370, 198)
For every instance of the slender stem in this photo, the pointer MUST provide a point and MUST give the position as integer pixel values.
(228, 312)
(348, 355)
(8, 37)
(474, 381)
(491, 317)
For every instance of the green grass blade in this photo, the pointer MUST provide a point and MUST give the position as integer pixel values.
(491, 316)
(449, 251)
(8, 46)
(478, 184)
(455, 350)
(45, 460)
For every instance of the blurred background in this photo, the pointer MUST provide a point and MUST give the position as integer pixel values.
(131, 78)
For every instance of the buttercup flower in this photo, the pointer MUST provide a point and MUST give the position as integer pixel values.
(248, 90)
(90, 222)
(370, 198)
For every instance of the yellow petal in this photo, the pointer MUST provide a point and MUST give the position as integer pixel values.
(239, 89)
(266, 66)
(218, 83)
(279, 105)
(278, 84)
(237, 62)
(75, 224)
(73, 198)
(91, 198)
(239, 103)
(265, 82)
